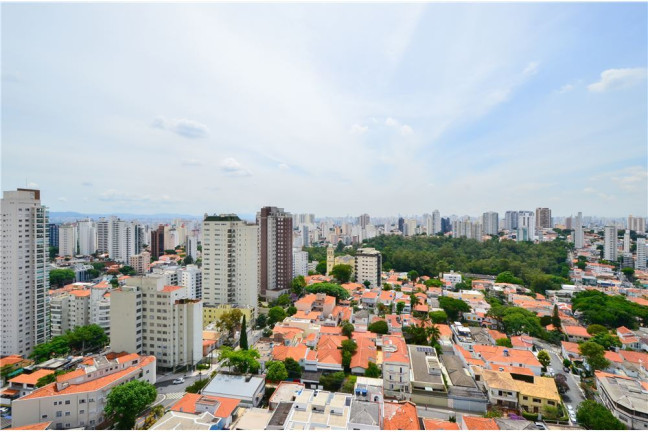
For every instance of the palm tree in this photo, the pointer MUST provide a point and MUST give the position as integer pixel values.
(434, 334)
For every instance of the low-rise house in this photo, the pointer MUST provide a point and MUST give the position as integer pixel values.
(628, 339)
(365, 415)
(175, 420)
(570, 351)
(286, 391)
(625, 397)
(77, 399)
(576, 333)
(317, 409)
(249, 389)
(24, 383)
(366, 352)
(505, 391)
(400, 416)
(222, 409)
(478, 423)
(395, 367)
(436, 424)
(427, 386)
(497, 356)
(463, 393)
(522, 342)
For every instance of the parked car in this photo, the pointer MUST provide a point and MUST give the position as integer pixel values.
(572, 417)
(178, 380)
(540, 426)
(570, 408)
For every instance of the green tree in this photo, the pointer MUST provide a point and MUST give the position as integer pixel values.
(379, 327)
(321, 267)
(61, 277)
(504, 342)
(438, 317)
(88, 337)
(544, 359)
(230, 322)
(276, 371)
(595, 329)
(581, 265)
(333, 381)
(261, 321)
(197, 386)
(127, 400)
(367, 284)
(415, 335)
(347, 329)
(594, 355)
(283, 300)
(555, 317)
(433, 334)
(127, 271)
(331, 289)
(433, 283)
(276, 314)
(453, 307)
(349, 348)
(242, 361)
(243, 341)
(292, 310)
(628, 272)
(57, 346)
(606, 340)
(399, 307)
(98, 266)
(53, 252)
(293, 368)
(114, 282)
(412, 275)
(188, 260)
(508, 277)
(373, 371)
(298, 284)
(611, 311)
(595, 416)
(169, 252)
(342, 273)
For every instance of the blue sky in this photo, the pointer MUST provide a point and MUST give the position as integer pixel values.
(327, 108)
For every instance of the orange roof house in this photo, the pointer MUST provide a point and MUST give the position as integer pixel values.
(30, 379)
(400, 416)
(478, 423)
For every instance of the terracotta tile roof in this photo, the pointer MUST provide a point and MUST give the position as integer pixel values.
(33, 426)
(309, 316)
(226, 407)
(522, 341)
(497, 354)
(365, 353)
(71, 375)
(480, 423)
(635, 357)
(329, 356)
(435, 424)
(127, 358)
(32, 378)
(10, 392)
(445, 330)
(187, 404)
(579, 331)
(400, 416)
(613, 357)
(370, 295)
(329, 330)
(89, 386)
(624, 331)
(515, 370)
(171, 288)
(282, 352)
(9, 360)
(400, 355)
(496, 334)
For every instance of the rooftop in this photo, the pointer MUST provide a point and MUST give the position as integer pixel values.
(237, 386)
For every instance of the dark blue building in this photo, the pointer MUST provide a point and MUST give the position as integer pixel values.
(53, 235)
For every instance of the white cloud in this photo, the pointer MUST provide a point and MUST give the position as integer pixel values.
(406, 130)
(632, 179)
(357, 129)
(531, 69)
(566, 88)
(182, 127)
(191, 162)
(613, 79)
(231, 167)
(391, 122)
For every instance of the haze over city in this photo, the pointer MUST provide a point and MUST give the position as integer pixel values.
(327, 108)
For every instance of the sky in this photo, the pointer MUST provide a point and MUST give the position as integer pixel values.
(332, 109)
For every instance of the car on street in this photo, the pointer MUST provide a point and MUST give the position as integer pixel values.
(551, 371)
(572, 417)
(178, 380)
(540, 426)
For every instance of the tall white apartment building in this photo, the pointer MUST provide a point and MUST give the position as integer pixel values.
(192, 246)
(190, 277)
(526, 219)
(67, 240)
(511, 220)
(626, 242)
(610, 247)
(490, 223)
(24, 279)
(467, 228)
(409, 227)
(300, 263)
(579, 236)
(640, 262)
(368, 266)
(100, 306)
(119, 239)
(87, 235)
(637, 224)
(69, 310)
(77, 399)
(230, 261)
(436, 222)
(149, 317)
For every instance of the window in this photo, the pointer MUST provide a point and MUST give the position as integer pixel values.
(44, 416)
(59, 413)
(81, 411)
(67, 402)
(67, 413)
(81, 400)
(536, 400)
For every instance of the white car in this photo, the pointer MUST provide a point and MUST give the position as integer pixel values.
(178, 380)
(570, 408)
(572, 417)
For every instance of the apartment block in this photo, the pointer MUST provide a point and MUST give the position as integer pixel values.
(149, 317)
(275, 251)
(24, 279)
(368, 266)
(67, 240)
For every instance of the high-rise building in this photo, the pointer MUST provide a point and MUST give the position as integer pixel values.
(141, 262)
(67, 240)
(626, 242)
(410, 227)
(543, 217)
(275, 251)
(368, 266)
(119, 239)
(436, 222)
(53, 235)
(467, 228)
(190, 277)
(446, 226)
(300, 263)
(135, 328)
(231, 261)
(401, 224)
(69, 310)
(157, 242)
(364, 220)
(192, 246)
(24, 279)
(610, 247)
(579, 236)
(640, 262)
(637, 224)
(511, 220)
(526, 219)
(87, 236)
(490, 222)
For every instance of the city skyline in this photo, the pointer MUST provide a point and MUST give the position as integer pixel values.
(146, 108)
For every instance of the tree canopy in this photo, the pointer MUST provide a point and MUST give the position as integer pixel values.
(276, 314)
(594, 355)
(333, 381)
(61, 277)
(331, 289)
(242, 361)
(80, 339)
(595, 416)
(453, 307)
(127, 400)
(230, 321)
(379, 327)
(341, 272)
(276, 371)
(610, 311)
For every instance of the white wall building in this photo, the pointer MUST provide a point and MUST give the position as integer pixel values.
(526, 219)
(87, 236)
(24, 279)
(230, 261)
(610, 247)
(77, 399)
(368, 266)
(490, 223)
(149, 317)
(300, 263)
(67, 240)
(70, 310)
(637, 224)
(190, 277)
(640, 262)
(579, 237)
